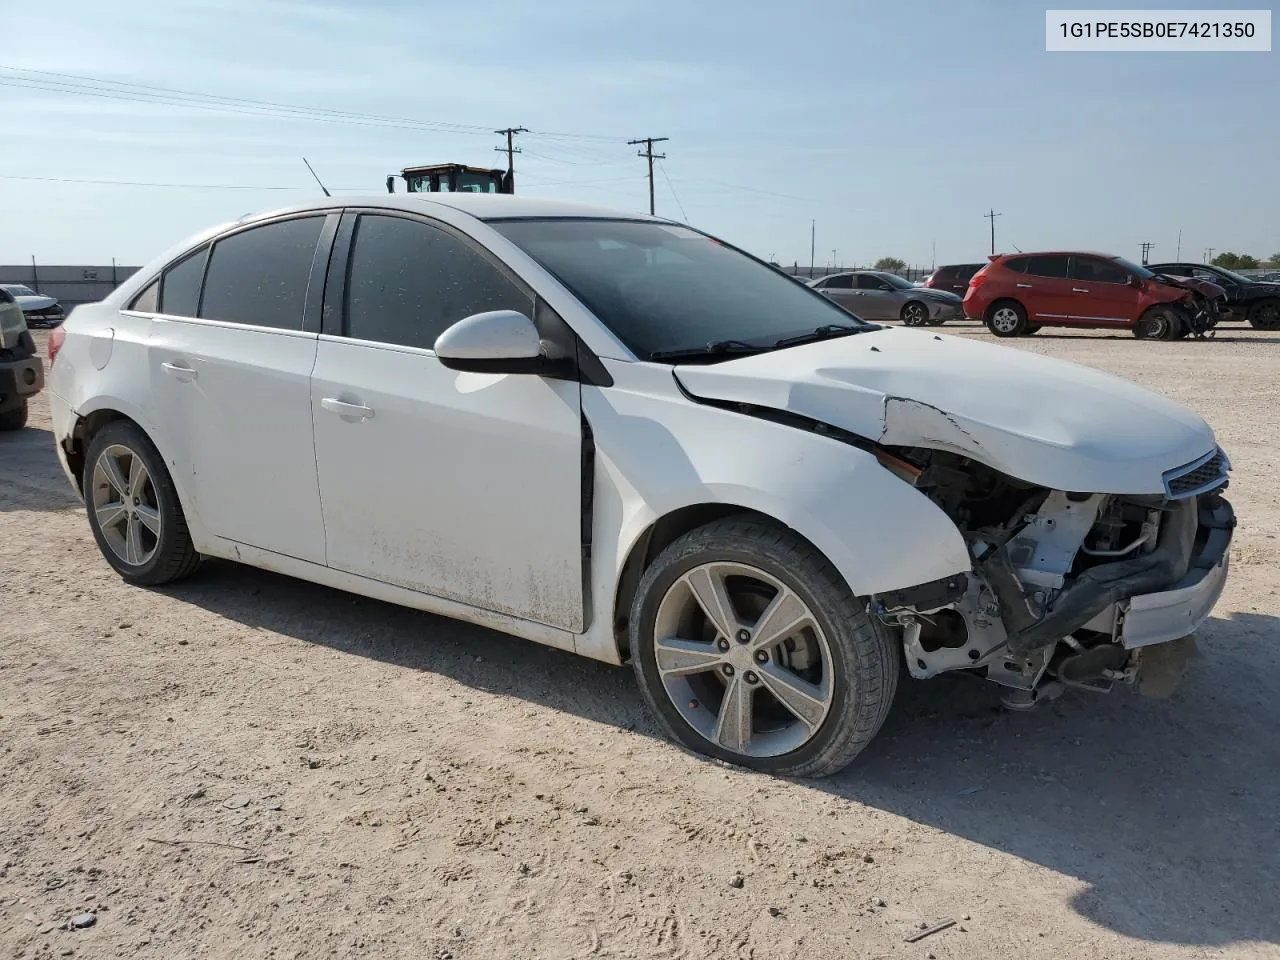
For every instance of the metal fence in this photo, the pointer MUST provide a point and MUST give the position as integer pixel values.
(71, 285)
(912, 273)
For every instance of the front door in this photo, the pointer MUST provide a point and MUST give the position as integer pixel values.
(230, 368)
(877, 298)
(465, 486)
(1101, 293)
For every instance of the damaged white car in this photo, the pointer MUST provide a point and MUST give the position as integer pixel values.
(618, 436)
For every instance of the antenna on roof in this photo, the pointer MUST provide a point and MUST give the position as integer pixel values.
(313, 173)
(1015, 246)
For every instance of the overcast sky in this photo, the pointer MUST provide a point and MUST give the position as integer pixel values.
(894, 125)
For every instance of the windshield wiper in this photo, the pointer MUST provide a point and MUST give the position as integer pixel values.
(825, 332)
(714, 348)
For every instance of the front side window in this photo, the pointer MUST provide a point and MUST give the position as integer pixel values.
(660, 287)
(1092, 270)
(408, 282)
(869, 281)
(1053, 265)
(180, 286)
(259, 276)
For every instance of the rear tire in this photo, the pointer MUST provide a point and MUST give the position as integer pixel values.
(14, 419)
(914, 314)
(1161, 322)
(831, 663)
(1030, 330)
(1265, 315)
(1006, 318)
(133, 508)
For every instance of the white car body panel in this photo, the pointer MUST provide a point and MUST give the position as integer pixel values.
(237, 429)
(465, 485)
(1046, 421)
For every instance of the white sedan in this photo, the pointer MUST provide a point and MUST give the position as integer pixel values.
(619, 436)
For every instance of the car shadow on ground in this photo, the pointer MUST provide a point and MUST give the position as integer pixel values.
(32, 477)
(1161, 809)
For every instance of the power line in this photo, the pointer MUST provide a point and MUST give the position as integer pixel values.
(136, 183)
(683, 216)
(650, 156)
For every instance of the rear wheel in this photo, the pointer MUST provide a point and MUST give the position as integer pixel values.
(914, 314)
(1265, 315)
(1007, 318)
(14, 419)
(1162, 322)
(749, 647)
(1030, 330)
(133, 508)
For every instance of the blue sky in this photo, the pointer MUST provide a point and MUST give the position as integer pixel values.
(894, 125)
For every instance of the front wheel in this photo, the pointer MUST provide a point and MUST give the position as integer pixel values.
(914, 314)
(749, 647)
(1265, 315)
(14, 419)
(1159, 323)
(133, 508)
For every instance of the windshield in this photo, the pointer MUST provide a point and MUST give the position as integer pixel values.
(896, 281)
(1141, 272)
(661, 287)
(18, 290)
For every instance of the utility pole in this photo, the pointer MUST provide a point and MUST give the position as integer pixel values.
(1179, 256)
(510, 150)
(649, 155)
(1208, 252)
(991, 215)
(1146, 252)
(813, 233)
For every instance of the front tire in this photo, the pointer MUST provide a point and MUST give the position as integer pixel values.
(14, 419)
(1265, 315)
(914, 314)
(749, 647)
(133, 508)
(1007, 318)
(1159, 323)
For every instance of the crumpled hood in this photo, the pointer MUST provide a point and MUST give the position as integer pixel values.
(1049, 422)
(35, 303)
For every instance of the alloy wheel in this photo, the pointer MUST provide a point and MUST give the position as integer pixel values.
(743, 659)
(123, 500)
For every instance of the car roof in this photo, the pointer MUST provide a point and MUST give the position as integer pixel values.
(482, 206)
(1060, 253)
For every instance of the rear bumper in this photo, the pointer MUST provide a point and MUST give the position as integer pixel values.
(20, 379)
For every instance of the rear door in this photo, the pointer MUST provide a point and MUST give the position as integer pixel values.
(1045, 290)
(840, 288)
(230, 364)
(466, 486)
(1101, 294)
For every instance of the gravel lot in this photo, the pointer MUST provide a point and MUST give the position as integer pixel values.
(247, 766)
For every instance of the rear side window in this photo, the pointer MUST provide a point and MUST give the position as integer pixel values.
(1049, 266)
(148, 301)
(1016, 264)
(1094, 270)
(180, 286)
(259, 276)
(408, 282)
(844, 282)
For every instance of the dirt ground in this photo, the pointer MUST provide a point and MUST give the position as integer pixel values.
(246, 766)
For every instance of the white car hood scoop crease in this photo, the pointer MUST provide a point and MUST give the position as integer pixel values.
(1048, 422)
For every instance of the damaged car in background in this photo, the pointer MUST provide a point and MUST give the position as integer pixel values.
(659, 449)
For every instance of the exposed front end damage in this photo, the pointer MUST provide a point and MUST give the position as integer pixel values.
(1067, 589)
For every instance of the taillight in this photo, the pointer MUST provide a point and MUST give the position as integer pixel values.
(977, 280)
(56, 338)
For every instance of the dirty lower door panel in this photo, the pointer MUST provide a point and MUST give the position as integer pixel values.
(462, 485)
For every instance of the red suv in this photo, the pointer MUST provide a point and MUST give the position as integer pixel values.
(1017, 294)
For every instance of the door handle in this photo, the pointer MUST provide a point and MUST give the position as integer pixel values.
(180, 372)
(347, 411)
(1078, 290)
(1025, 286)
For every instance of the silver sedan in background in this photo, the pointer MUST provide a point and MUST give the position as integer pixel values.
(877, 295)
